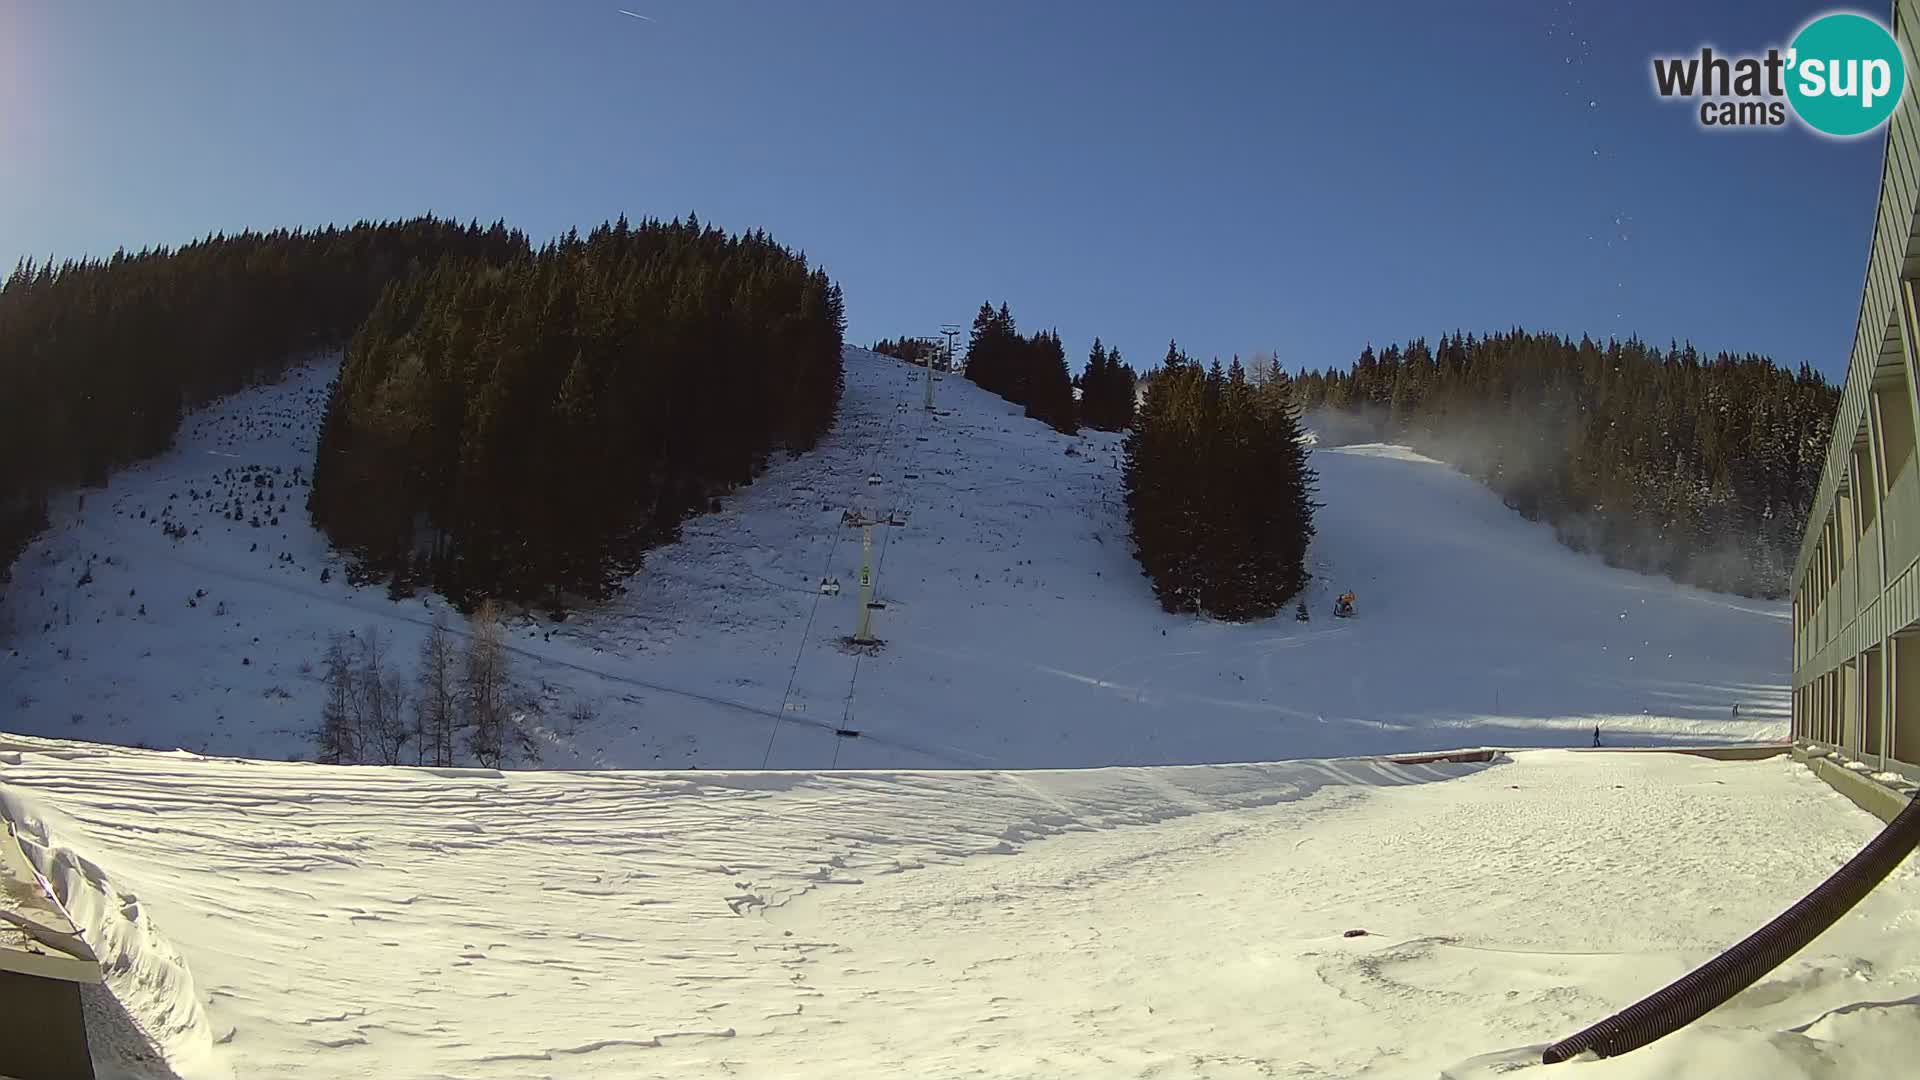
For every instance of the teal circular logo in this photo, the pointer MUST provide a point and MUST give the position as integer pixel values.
(1845, 74)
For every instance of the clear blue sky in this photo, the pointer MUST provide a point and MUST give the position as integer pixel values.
(1261, 175)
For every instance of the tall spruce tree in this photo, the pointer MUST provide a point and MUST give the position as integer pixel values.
(1106, 390)
(1218, 490)
(1049, 384)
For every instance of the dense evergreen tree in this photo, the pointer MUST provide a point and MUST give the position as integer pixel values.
(1218, 490)
(100, 357)
(1050, 384)
(527, 430)
(993, 358)
(1029, 371)
(1663, 461)
(1106, 390)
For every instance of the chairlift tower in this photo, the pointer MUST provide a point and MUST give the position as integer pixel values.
(863, 631)
(950, 331)
(931, 345)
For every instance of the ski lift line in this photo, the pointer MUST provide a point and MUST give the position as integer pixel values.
(813, 611)
(792, 673)
(853, 682)
(806, 633)
(890, 426)
(846, 715)
(895, 512)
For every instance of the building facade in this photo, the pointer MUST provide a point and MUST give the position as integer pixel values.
(1856, 595)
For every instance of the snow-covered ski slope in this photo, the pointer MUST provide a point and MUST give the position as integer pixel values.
(265, 919)
(1018, 630)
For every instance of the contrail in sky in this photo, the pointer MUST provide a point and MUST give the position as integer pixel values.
(637, 15)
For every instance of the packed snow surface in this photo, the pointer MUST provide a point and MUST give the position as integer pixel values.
(1018, 630)
(935, 914)
(265, 919)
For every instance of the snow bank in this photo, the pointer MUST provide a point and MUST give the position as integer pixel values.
(143, 969)
(1117, 922)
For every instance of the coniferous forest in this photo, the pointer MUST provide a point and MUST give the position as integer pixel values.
(523, 424)
(1106, 390)
(913, 350)
(526, 430)
(1662, 461)
(1027, 370)
(100, 357)
(1219, 494)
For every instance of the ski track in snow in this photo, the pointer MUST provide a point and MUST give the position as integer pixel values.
(269, 919)
(1019, 631)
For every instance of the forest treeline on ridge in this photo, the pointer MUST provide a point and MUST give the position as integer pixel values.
(524, 423)
(1698, 468)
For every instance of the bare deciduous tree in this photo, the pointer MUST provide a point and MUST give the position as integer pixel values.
(486, 678)
(338, 745)
(394, 732)
(383, 731)
(437, 708)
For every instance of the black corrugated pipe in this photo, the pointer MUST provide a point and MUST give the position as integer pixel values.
(1706, 987)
